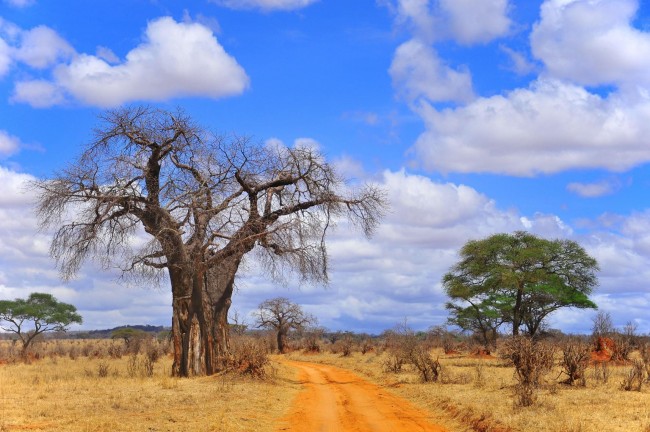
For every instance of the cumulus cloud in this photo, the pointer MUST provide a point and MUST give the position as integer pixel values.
(471, 21)
(265, 5)
(417, 71)
(38, 93)
(38, 48)
(41, 47)
(374, 283)
(546, 128)
(465, 21)
(594, 190)
(592, 42)
(8, 144)
(175, 60)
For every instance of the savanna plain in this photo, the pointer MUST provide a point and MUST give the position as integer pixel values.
(112, 385)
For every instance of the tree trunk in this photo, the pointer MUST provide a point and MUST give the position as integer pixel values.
(192, 354)
(281, 338)
(200, 331)
(516, 313)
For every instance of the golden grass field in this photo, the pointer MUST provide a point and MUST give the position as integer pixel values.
(57, 393)
(61, 394)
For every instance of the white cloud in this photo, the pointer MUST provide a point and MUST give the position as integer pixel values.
(38, 93)
(38, 48)
(41, 47)
(5, 58)
(8, 144)
(417, 71)
(374, 283)
(474, 21)
(593, 190)
(265, 5)
(519, 64)
(20, 3)
(175, 60)
(592, 42)
(549, 127)
(465, 21)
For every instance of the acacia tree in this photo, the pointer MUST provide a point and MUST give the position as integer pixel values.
(520, 278)
(203, 201)
(482, 317)
(37, 314)
(282, 315)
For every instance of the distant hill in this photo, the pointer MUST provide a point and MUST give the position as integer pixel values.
(106, 333)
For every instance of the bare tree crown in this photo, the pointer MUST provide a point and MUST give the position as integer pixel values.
(282, 315)
(200, 197)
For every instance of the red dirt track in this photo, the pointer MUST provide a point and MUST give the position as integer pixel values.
(335, 399)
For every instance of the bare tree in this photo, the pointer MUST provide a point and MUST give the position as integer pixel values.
(203, 201)
(282, 316)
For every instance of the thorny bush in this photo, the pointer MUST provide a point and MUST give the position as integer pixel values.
(532, 360)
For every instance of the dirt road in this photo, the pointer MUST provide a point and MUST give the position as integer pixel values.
(335, 399)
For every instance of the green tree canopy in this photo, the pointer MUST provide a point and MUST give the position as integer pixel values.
(518, 279)
(37, 314)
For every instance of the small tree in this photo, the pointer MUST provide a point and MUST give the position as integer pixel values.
(282, 316)
(39, 313)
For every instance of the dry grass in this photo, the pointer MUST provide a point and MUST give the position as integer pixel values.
(64, 394)
(479, 394)
(61, 392)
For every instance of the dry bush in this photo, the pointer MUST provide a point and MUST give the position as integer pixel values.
(645, 358)
(146, 366)
(601, 371)
(622, 347)
(635, 377)
(479, 381)
(103, 369)
(366, 346)
(428, 368)
(9, 351)
(575, 359)
(249, 357)
(312, 339)
(532, 360)
(115, 350)
(393, 363)
(346, 344)
(132, 366)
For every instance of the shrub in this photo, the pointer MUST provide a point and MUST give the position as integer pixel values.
(103, 369)
(601, 371)
(428, 368)
(635, 377)
(347, 343)
(393, 363)
(366, 346)
(532, 360)
(645, 358)
(249, 357)
(132, 366)
(575, 359)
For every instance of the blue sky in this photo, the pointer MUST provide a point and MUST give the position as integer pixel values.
(476, 116)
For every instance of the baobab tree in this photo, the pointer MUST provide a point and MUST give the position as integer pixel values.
(282, 316)
(203, 201)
